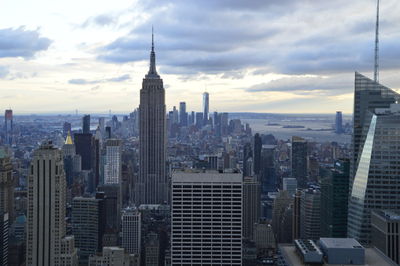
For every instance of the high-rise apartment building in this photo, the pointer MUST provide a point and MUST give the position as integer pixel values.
(47, 243)
(251, 205)
(112, 162)
(131, 220)
(86, 226)
(334, 200)
(376, 183)
(152, 186)
(8, 127)
(299, 161)
(206, 107)
(206, 219)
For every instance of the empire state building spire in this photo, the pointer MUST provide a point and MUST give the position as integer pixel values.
(152, 69)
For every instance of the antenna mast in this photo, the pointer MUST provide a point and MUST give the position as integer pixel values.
(376, 68)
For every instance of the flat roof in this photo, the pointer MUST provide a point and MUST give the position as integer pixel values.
(373, 257)
(393, 215)
(347, 243)
(207, 177)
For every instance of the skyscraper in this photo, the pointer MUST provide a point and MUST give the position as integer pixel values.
(206, 219)
(267, 175)
(257, 146)
(310, 214)
(299, 161)
(86, 124)
(206, 106)
(85, 226)
(84, 145)
(6, 185)
(113, 162)
(152, 186)
(8, 126)
(47, 243)
(251, 205)
(183, 116)
(338, 123)
(131, 230)
(334, 200)
(376, 183)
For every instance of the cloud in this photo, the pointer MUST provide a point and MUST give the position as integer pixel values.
(101, 20)
(289, 37)
(328, 86)
(21, 43)
(4, 71)
(86, 82)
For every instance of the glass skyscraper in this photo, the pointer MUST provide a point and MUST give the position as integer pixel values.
(375, 177)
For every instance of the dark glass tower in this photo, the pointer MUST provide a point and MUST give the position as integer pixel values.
(152, 186)
(299, 161)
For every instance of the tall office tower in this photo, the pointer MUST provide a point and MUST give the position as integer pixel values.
(175, 115)
(8, 126)
(290, 185)
(113, 162)
(131, 230)
(183, 116)
(199, 120)
(299, 161)
(310, 214)
(206, 107)
(152, 186)
(247, 155)
(334, 200)
(6, 185)
(217, 124)
(4, 235)
(251, 205)
(102, 125)
(267, 176)
(224, 124)
(86, 124)
(385, 233)
(112, 207)
(84, 148)
(68, 151)
(296, 215)
(282, 201)
(339, 123)
(47, 243)
(257, 147)
(376, 182)
(86, 226)
(66, 128)
(214, 200)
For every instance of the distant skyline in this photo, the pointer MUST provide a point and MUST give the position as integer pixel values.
(251, 56)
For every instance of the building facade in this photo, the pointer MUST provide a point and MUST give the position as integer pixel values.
(299, 161)
(251, 205)
(131, 220)
(47, 242)
(206, 219)
(113, 162)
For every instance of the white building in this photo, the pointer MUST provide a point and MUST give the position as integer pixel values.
(114, 256)
(131, 230)
(113, 162)
(47, 243)
(206, 219)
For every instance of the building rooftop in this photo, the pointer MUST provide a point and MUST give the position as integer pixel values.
(346, 243)
(207, 177)
(373, 257)
(392, 215)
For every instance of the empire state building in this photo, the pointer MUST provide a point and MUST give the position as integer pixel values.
(152, 185)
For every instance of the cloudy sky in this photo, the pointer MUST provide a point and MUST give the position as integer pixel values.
(280, 56)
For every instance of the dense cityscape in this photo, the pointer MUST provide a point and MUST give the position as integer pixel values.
(161, 187)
